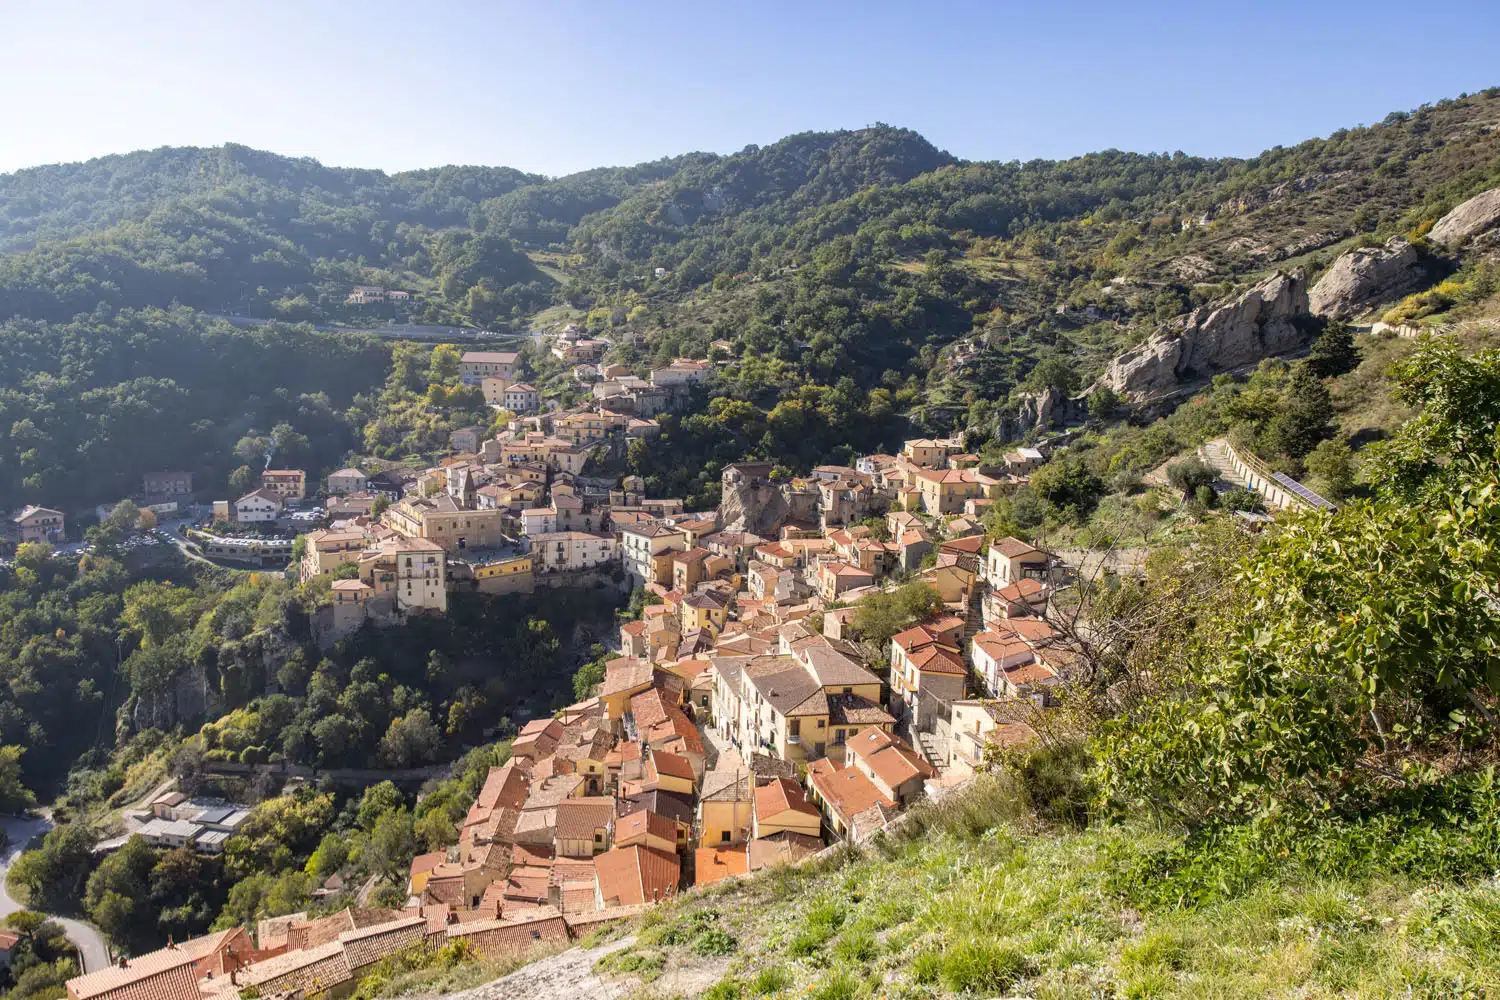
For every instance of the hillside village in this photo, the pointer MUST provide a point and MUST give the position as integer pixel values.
(740, 727)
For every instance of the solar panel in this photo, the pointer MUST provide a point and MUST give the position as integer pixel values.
(1312, 499)
(213, 815)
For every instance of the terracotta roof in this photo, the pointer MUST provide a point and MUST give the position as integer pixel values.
(845, 789)
(629, 876)
(714, 864)
(672, 765)
(1000, 646)
(165, 974)
(969, 544)
(370, 944)
(781, 848)
(1011, 548)
(580, 819)
(781, 795)
(890, 760)
(637, 825)
(624, 674)
(1023, 589)
(312, 970)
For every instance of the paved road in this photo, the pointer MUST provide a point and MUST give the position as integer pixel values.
(20, 830)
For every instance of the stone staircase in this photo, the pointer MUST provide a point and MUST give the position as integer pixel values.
(1214, 454)
(934, 749)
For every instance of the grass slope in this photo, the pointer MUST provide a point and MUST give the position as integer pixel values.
(974, 900)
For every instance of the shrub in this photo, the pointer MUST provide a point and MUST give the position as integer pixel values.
(926, 968)
(982, 967)
(725, 989)
(856, 947)
(771, 979)
(838, 985)
(714, 942)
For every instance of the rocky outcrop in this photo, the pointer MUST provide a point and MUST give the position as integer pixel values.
(753, 505)
(1477, 215)
(1040, 411)
(1262, 322)
(1366, 277)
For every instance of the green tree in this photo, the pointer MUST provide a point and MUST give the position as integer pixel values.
(124, 517)
(446, 366)
(15, 797)
(1303, 419)
(393, 843)
(1334, 353)
(880, 616)
(1191, 473)
(376, 802)
(242, 480)
(1331, 465)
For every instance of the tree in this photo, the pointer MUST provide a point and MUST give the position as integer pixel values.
(1053, 372)
(392, 844)
(881, 616)
(124, 517)
(15, 797)
(1303, 419)
(147, 520)
(445, 366)
(331, 856)
(1331, 465)
(411, 739)
(1334, 353)
(1068, 487)
(1191, 473)
(1347, 656)
(117, 894)
(376, 802)
(242, 480)
(1103, 402)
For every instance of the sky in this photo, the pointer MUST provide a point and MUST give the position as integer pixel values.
(554, 87)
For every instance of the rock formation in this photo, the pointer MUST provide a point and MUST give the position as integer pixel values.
(1040, 411)
(1367, 276)
(1478, 214)
(751, 501)
(1259, 323)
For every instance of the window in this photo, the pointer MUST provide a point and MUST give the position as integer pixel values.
(795, 728)
(822, 723)
(724, 837)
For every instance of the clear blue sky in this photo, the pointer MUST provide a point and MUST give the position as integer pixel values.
(560, 86)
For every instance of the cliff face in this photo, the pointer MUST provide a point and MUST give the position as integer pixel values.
(757, 507)
(1257, 324)
(1366, 277)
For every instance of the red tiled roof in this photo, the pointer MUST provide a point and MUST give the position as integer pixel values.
(714, 864)
(629, 876)
(781, 795)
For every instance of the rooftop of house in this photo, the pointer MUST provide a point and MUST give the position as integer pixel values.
(888, 758)
(845, 789)
(714, 864)
(781, 795)
(629, 876)
(1014, 548)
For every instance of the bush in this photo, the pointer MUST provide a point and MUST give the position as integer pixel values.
(982, 967)
(838, 985)
(771, 979)
(714, 943)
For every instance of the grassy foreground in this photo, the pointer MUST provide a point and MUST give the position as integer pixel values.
(973, 900)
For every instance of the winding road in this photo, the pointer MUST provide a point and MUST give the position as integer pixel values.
(86, 939)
